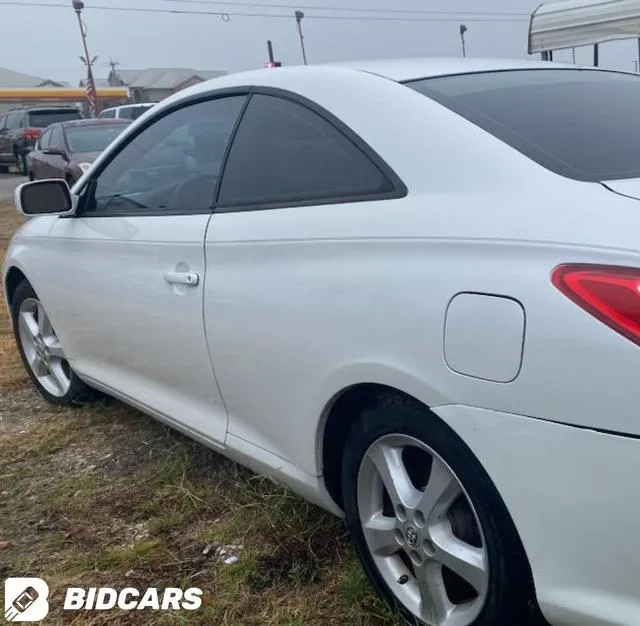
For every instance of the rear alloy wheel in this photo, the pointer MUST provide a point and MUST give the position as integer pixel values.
(42, 353)
(428, 525)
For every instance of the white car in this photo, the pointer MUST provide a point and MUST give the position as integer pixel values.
(409, 290)
(126, 111)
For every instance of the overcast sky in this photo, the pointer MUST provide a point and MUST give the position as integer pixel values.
(45, 42)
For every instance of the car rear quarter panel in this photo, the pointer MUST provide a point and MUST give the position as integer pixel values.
(302, 303)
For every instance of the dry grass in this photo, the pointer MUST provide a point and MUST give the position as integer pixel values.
(11, 371)
(104, 496)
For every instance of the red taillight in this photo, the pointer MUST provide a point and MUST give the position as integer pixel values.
(609, 293)
(31, 133)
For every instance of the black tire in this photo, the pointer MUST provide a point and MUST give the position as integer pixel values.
(78, 393)
(510, 597)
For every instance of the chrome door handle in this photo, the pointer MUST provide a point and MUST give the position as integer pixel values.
(190, 279)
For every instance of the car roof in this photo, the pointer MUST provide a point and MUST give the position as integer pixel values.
(406, 69)
(43, 109)
(131, 105)
(397, 70)
(93, 122)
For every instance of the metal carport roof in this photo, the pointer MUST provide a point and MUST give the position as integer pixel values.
(574, 23)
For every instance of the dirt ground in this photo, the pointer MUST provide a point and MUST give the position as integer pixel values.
(104, 496)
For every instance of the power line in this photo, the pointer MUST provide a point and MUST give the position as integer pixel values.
(227, 14)
(353, 9)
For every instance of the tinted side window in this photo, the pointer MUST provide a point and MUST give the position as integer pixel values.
(126, 113)
(45, 140)
(3, 121)
(55, 139)
(108, 114)
(285, 153)
(138, 111)
(132, 112)
(171, 165)
(13, 119)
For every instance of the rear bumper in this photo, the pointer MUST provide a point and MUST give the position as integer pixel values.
(572, 494)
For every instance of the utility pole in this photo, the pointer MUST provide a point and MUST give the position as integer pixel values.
(272, 61)
(114, 72)
(92, 97)
(463, 30)
(299, 16)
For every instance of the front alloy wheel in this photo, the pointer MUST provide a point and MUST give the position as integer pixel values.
(431, 531)
(41, 352)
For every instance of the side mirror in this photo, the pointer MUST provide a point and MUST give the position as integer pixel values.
(45, 197)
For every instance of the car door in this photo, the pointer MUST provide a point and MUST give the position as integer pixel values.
(286, 272)
(127, 295)
(12, 123)
(54, 157)
(6, 155)
(38, 159)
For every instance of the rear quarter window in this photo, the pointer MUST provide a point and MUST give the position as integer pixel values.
(582, 124)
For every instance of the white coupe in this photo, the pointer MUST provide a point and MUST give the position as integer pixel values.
(410, 290)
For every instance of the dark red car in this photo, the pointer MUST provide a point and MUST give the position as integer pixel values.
(67, 149)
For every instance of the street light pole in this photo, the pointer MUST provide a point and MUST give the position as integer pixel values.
(78, 5)
(463, 30)
(299, 16)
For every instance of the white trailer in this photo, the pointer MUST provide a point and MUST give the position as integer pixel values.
(574, 23)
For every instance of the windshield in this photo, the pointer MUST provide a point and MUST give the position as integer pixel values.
(92, 138)
(582, 124)
(42, 119)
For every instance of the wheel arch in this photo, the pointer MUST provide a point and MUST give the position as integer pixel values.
(339, 415)
(14, 276)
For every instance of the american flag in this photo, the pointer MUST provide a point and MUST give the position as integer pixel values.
(92, 96)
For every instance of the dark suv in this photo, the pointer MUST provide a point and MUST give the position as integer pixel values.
(20, 129)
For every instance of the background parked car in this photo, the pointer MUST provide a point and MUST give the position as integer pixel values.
(126, 111)
(67, 150)
(21, 129)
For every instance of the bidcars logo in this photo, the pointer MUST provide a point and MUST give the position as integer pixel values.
(130, 599)
(25, 599)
